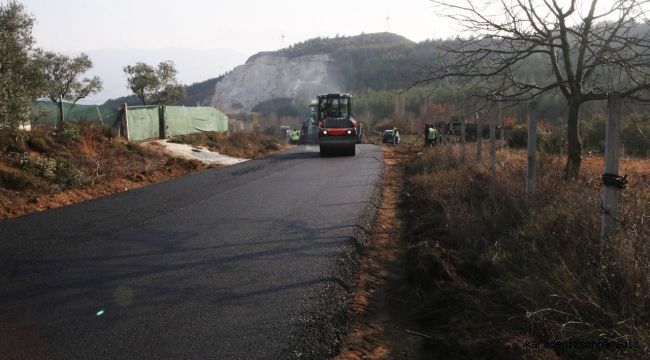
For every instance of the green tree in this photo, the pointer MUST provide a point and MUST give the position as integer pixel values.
(20, 78)
(141, 80)
(62, 77)
(155, 85)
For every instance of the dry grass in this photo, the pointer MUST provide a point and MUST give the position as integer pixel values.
(44, 168)
(49, 162)
(248, 145)
(492, 274)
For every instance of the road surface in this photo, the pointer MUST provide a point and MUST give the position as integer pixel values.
(249, 261)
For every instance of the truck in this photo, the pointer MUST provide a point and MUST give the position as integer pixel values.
(337, 130)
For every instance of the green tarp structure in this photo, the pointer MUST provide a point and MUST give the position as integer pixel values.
(149, 122)
(50, 114)
(142, 122)
(187, 120)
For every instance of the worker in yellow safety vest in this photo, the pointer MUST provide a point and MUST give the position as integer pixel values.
(431, 136)
(295, 137)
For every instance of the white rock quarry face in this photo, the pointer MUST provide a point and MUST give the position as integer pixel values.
(268, 77)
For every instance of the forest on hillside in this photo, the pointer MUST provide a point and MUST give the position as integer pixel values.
(381, 72)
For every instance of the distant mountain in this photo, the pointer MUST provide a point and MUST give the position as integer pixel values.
(379, 61)
(193, 66)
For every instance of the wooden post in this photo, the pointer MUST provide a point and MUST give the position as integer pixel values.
(612, 141)
(61, 110)
(163, 122)
(532, 152)
(125, 122)
(479, 135)
(493, 142)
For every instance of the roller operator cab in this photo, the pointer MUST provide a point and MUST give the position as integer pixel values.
(337, 130)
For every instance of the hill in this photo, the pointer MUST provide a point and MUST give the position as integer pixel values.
(381, 62)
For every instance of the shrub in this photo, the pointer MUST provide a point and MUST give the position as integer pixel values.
(36, 165)
(22, 181)
(12, 141)
(66, 136)
(518, 136)
(67, 174)
(38, 144)
(59, 171)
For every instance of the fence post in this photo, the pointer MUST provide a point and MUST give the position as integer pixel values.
(125, 122)
(163, 122)
(493, 142)
(479, 135)
(61, 110)
(610, 192)
(532, 152)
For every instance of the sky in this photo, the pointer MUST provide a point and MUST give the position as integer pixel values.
(214, 36)
(246, 26)
(221, 34)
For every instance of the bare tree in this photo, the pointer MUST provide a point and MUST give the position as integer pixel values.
(588, 51)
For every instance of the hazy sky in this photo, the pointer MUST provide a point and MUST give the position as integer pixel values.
(247, 26)
(244, 27)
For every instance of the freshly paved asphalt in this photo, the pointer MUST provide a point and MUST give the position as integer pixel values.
(248, 261)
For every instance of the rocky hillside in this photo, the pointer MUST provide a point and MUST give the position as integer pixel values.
(317, 66)
(271, 76)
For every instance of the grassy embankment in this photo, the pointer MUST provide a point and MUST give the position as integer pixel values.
(42, 169)
(493, 276)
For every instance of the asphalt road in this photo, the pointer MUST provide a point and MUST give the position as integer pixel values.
(249, 261)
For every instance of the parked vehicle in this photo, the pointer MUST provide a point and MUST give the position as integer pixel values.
(387, 137)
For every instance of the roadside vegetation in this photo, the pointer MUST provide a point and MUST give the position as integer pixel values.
(46, 168)
(490, 276)
(89, 156)
(248, 145)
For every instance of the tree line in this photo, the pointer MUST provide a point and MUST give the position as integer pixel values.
(28, 73)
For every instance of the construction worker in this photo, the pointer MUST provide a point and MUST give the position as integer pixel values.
(295, 137)
(394, 134)
(431, 136)
(359, 131)
(304, 129)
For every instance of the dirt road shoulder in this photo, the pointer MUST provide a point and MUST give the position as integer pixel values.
(376, 307)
